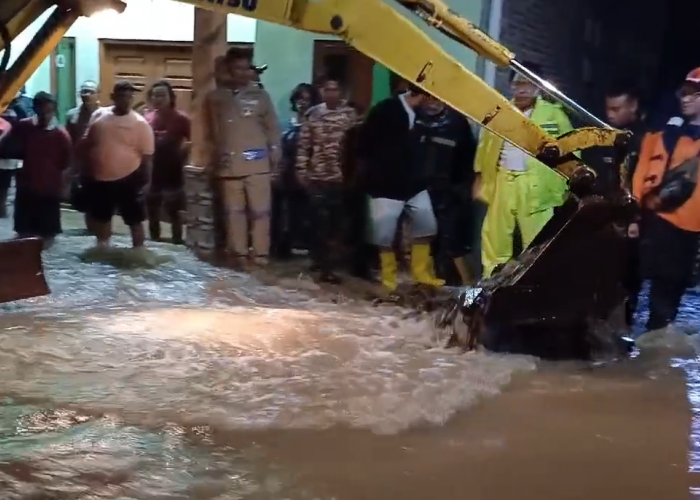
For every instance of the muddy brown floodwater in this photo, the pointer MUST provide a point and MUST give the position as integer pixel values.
(190, 382)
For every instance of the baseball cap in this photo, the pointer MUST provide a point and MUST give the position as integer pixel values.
(124, 86)
(89, 87)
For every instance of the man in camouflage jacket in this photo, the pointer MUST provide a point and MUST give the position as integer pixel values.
(319, 159)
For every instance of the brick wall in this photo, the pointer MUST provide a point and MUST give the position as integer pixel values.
(620, 37)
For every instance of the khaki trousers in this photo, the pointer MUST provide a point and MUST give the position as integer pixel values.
(247, 201)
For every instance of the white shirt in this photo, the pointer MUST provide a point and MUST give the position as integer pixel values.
(10, 164)
(513, 158)
(409, 110)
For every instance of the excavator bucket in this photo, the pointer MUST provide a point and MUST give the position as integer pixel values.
(21, 270)
(547, 301)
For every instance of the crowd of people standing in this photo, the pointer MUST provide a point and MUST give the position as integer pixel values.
(406, 183)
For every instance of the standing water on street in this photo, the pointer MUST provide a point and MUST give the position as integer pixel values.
(188, 381)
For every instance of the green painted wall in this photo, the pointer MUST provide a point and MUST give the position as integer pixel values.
(289, 54)
(381, 88)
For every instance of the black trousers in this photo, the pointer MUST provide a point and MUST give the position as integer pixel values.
(6, 177)
(360, 252)
(667, 258)
(633, 279)
(288, 228)
(455, 220)
(326, 214)
(36, 214)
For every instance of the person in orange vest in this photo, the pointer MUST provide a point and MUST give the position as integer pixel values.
(665, 183)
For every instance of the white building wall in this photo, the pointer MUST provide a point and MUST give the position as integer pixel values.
(143, 20)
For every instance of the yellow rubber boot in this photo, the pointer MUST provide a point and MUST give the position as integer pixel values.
(390, 271)
(422, 266)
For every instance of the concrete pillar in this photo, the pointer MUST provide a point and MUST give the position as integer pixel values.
(209, 42)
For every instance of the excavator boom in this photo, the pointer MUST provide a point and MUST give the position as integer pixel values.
(384, 31)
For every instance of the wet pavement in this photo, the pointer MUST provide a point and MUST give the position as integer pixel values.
(192, 382)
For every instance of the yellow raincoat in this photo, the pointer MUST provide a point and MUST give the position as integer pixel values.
(525, 199)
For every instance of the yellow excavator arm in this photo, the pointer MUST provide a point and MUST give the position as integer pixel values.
(381, 29)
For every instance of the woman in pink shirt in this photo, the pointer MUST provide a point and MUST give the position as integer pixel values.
(171, 128)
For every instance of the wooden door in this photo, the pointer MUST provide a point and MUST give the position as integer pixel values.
(143, 64)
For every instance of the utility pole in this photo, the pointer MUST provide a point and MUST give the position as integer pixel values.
(209, 43)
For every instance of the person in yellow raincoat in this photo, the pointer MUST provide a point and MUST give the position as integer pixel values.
(520, 191)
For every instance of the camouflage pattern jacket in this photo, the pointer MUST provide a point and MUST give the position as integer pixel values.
(319, 151)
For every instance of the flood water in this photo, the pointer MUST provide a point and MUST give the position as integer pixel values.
(190, 382)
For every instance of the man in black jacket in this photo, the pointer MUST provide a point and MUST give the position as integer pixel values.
(623, 111)
(389, 148)
(447, 148)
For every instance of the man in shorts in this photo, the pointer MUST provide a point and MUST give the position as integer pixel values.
(389, 147)
(119, 146)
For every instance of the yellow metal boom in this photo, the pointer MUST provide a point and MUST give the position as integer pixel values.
(383, 31)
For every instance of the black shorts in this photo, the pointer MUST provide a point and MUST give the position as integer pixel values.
(37, 214)
(104, 199)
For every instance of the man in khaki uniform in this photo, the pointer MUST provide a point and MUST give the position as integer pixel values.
(246, 138)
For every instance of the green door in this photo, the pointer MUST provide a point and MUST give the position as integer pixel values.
(64, 79)
(381, 83)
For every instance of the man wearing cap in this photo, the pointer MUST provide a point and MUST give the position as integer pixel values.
(520, 191)
(118, 150)
(47, 151)
(665, 183)
(77, 120)
(246, 137)
(22, 104)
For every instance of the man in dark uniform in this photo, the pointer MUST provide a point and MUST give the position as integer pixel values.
(448, 146)
(76, 124)
(360, 252)
(623, 111)
(22, 104)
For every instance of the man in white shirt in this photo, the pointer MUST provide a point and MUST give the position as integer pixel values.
(119, 146)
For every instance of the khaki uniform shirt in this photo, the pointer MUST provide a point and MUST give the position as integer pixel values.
(245, 130)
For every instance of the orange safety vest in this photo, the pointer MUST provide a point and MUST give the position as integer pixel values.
(653, 159)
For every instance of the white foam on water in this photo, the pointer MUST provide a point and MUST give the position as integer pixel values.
(671, 341)
(191, 344)
(252, 367)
